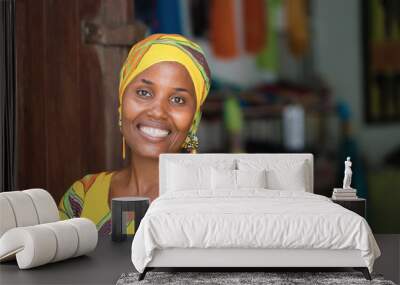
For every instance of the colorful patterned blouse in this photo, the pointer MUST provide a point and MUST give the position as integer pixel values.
(88, 197)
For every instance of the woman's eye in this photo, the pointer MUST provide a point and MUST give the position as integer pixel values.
(143, 93)
(177, 100)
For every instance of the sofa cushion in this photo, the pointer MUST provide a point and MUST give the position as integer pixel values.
(183, 177)
(193, 174)
(284, 174)
(223, 179)
(251, 178)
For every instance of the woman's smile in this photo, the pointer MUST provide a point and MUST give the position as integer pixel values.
(153, 132)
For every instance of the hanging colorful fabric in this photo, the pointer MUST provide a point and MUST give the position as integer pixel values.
(223, 35)
(297, 26)
(233, 115)
(168, 17)
(268, 58)
(254, 25)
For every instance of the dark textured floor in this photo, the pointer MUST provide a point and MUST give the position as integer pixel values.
(389, 263)
(228, 278)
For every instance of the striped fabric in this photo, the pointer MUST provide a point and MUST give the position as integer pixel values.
(88, 197)
(162, 47)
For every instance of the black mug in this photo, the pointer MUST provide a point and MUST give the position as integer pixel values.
(126, 214)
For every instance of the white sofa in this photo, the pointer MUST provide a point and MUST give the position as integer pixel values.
(31, 233)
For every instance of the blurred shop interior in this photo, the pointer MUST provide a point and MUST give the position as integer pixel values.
(317, 76)
(301, 76)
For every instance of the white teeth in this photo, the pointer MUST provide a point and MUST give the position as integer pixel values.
(154, 132)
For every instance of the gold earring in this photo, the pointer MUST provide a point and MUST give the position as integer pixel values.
(191, 143)
(123, 140)
(123, 148)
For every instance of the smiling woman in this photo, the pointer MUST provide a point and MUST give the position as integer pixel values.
(163, 83)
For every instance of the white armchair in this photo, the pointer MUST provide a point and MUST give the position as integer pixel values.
(31, 232)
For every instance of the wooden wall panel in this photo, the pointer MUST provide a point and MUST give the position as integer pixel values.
(67, 92)
(113, 13)
(92, 131)
(63, 99)
(31, 116)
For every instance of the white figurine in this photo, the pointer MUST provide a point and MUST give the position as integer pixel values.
(347, 174)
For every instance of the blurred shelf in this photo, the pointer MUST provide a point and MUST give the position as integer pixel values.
(385, 56)
(254, 107)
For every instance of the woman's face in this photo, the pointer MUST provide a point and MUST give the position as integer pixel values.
(157, 109)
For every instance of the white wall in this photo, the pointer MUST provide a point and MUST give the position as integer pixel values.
(338, 58)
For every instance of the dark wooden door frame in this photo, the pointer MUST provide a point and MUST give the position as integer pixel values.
(67, 89)
(7, 95)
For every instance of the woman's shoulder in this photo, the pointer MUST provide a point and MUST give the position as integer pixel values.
(84, 190)
(91, 182)
(95, 180)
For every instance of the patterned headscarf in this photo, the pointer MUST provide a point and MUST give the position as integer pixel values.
(167, 47)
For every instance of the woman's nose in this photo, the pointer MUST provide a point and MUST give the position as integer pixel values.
(158, 110)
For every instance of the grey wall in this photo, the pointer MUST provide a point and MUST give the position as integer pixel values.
(338, 59)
